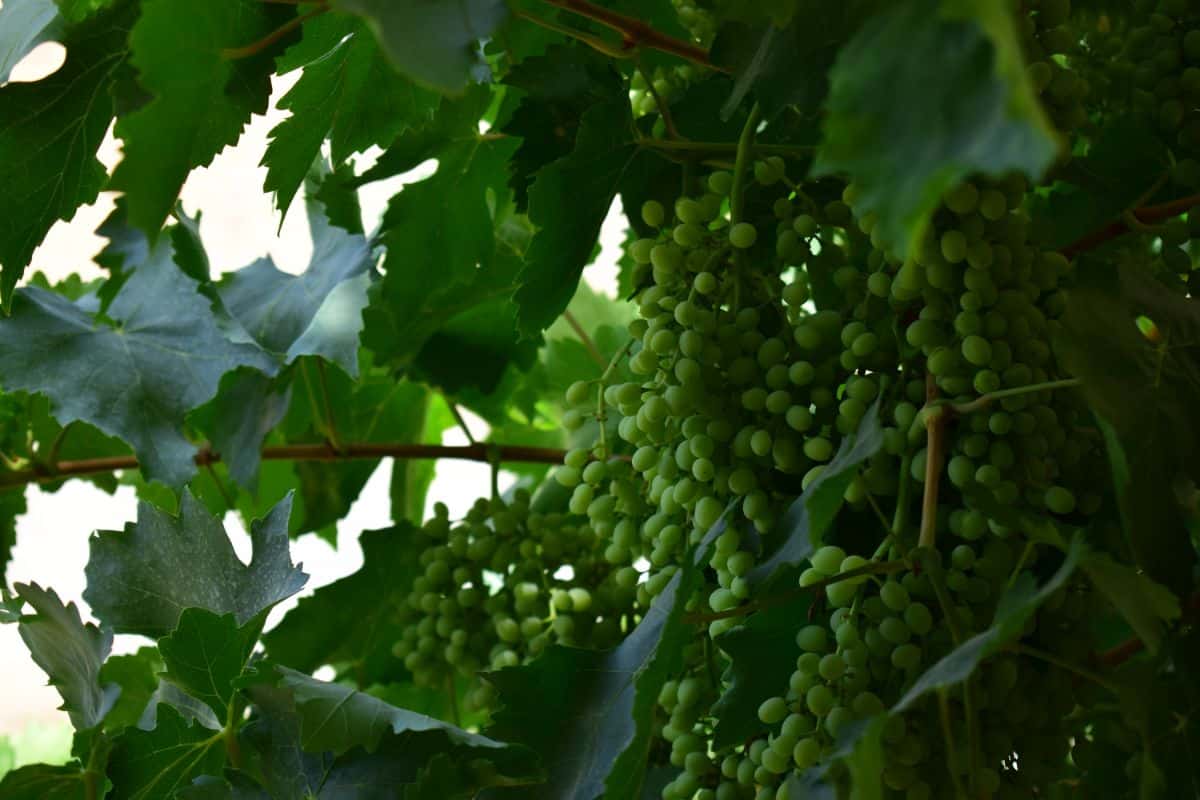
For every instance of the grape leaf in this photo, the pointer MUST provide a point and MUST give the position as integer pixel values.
(786, 62)
(233, 785)
(318, 312)
(1013, 610)
(24, 24)
(348, 93)
(248, 406)
(802, 527)
(137, 676)
(157, 762)
(201, 97)
(136, 380)
(444, 305)
(589, 714)
(762, 656)
(206, 654)
(12, 505)
(141, 580)
(49, 134)
(68, 651)
(337, 718)
(568, 202)
(921, 97)
(1145, 604)
(559, 86)
(350, 621)
(1144, 394)
(435, 42)
(45, 782)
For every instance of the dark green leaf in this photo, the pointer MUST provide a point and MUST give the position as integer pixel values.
(202, 98)
(318, 312)
(206, 654)
(69, 652)
(922, 97)
(1146, 605)
(49, 133)
(12, 505)
(762, 656)
(559, 87)
(44, 782)
(248, 406)
(141, 580)
(1015, 608)
(351, 620)
(137, 380)
(24, 24)
(786, 64)
(156, 763)
(1145, 394)
(348, 93)
(337, 718)
(436, 42)
(589, 714)
(568, 203)
(137, 676)
(233, 786)
(802, 527)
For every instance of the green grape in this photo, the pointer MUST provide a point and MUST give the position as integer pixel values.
(1060, 500)
(743, 235)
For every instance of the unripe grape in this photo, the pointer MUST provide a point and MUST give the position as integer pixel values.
(743, 235)
(1059, 500)
(653, 213)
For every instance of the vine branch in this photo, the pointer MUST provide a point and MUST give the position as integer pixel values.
(1146, 215)
(480, 451)
(635, 33)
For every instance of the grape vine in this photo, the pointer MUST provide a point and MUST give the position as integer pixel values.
(871, 478)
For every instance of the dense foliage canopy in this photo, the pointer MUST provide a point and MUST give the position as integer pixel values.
(877, 480)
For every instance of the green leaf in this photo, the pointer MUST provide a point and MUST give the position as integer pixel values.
(206, 654)
(337, 718)
(136, 380)
(559, 86)
(318, 312)
(412, 477)
(1145, 604)
(45, 782)
(248, 406)
(1014, 609)
(1144, 394)
(141, 580)
(49, 134)
(444, 304)
(347, 93)
(24, 24)
(12, 505)
(69, 652)
(762, 657)
(589, 714)
(786, 63)
(802, 527)
(350, 621)
(137, 676)
(435, 42)
(568, 203)
(922, 97)
(147, 764)
(202, 98)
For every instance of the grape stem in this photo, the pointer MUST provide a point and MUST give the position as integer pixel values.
(1050, 658)
(985, 400)
(664, 109)
(254, 48)
(1146, 215)
(594, 42)
(875, 568)
(635, 33)
(322, 451)
(948, 736)
(935, 446)
(592, 351)
(745, 147)
(458, 417)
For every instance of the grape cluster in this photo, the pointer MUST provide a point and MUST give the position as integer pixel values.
(493, 592)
